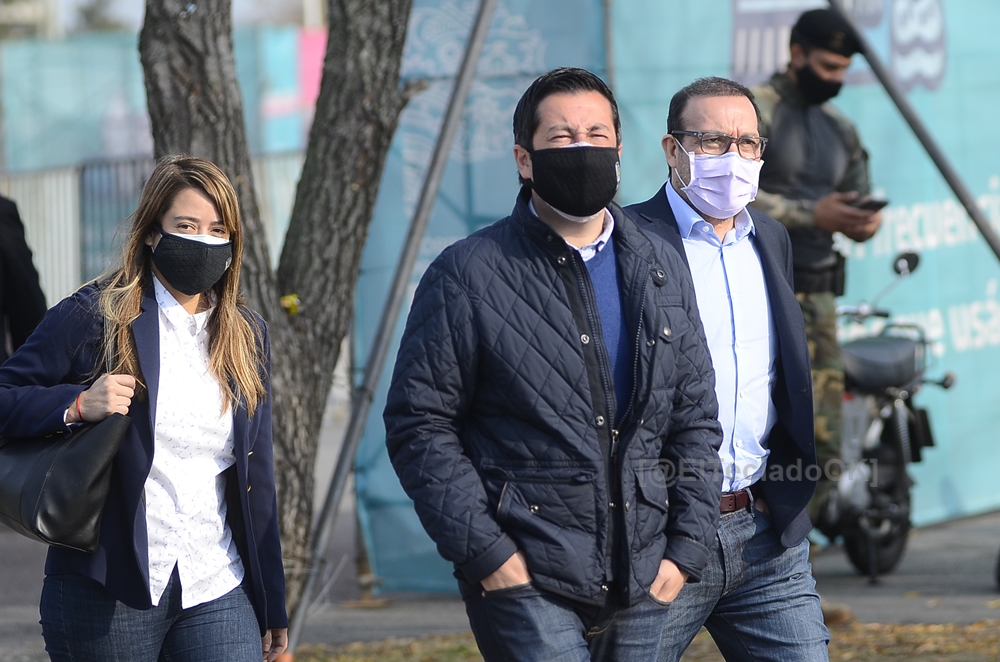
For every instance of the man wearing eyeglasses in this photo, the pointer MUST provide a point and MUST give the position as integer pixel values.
(757, 596)
(816, 183)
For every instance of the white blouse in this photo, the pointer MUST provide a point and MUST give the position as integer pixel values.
(192, 446)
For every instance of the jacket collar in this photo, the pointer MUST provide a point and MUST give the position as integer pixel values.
(625, 232)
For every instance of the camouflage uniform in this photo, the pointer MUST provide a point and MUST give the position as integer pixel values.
(813, 150)
(819, 310)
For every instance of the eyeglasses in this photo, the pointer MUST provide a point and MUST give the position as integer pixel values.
(715, 143)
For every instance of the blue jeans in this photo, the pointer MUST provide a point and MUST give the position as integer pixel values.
(82, 622)
(524, 624)
(757, 598)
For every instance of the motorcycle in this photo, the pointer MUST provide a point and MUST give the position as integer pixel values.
(882, 432)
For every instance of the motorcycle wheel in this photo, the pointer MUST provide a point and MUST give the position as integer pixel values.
(888, 550)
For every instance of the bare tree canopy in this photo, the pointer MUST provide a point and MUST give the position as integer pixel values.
(195, 107)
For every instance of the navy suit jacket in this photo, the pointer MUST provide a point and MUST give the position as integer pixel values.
(788, 482)
(59, 361)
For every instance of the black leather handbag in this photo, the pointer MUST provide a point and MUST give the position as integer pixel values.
(53, 488)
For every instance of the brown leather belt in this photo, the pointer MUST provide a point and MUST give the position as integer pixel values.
(733, 501)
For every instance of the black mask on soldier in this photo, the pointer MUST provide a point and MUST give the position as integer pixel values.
(814, 89)
(578, 181)
(189, 265)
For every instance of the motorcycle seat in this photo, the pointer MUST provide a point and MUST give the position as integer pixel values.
(876, 363)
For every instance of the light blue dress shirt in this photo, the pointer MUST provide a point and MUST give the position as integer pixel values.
(735, 311)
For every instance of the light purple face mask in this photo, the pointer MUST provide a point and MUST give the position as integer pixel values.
(721, 185)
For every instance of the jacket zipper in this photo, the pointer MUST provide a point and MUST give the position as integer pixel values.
(631, 403)
(593, 319)
(635, 356)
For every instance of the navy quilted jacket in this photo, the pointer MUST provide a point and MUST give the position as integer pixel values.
(498, 415)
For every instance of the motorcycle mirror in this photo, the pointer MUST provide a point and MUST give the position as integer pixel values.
(905, 263)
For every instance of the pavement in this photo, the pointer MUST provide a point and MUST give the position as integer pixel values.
(946, 576)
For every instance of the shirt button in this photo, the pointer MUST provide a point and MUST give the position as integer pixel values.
(650, 342)
(604, 587)
(628, 505)
(611, 504)
(600, 421)
(585, 339)
(666, 331)
(533, 508)
(561, 259)
(660, 273)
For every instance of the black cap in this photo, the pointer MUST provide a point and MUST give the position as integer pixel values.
(826, 29)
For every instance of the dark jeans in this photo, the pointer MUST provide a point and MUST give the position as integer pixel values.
(82, 622)
(524, 624)
(756, 598)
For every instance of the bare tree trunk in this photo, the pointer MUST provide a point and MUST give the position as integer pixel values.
(195, 106)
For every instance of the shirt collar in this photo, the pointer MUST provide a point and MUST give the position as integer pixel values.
(595, 246)
(175, 314)
(688, 218)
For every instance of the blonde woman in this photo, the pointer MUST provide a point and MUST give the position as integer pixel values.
(189, 563)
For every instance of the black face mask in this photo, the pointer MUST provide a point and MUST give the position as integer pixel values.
(190, 266)
(579, 181)
(814, 89)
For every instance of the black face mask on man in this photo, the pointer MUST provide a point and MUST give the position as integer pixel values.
(814, 89)
(578, 181)
(194, 263)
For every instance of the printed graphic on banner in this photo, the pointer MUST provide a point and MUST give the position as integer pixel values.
(434, 48)
(912, 32)
(918, 43)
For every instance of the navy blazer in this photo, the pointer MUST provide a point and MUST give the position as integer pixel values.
(60, 360)
(788, 482)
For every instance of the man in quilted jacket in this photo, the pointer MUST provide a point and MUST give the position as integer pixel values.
(552, 413)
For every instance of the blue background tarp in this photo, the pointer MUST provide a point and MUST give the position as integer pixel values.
(480, 182)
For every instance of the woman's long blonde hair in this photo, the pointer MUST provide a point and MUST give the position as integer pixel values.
(236, 355)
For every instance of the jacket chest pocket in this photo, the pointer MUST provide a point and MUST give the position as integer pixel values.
(666, 325)
(672, 320)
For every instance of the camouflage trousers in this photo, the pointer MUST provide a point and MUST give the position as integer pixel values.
(819, 310)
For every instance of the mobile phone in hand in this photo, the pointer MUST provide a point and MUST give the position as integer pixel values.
(870, 204)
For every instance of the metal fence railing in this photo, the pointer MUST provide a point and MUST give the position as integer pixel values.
(48, 202)
(109, 191)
